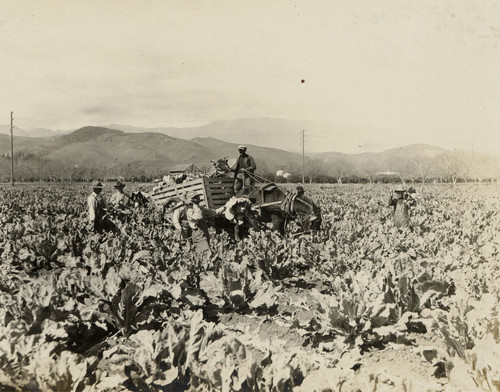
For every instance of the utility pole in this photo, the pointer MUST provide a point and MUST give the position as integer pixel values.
(12, 147)
(473, 169)
(303, 140)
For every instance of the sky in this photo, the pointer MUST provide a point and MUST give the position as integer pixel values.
(379, 73)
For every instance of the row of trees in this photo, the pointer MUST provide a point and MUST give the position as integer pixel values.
(29, 168)
(448, 167)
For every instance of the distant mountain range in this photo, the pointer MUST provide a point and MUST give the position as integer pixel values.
(31, 132)
(270, 132)
(156, 152)
(413, 151)
(105, 147)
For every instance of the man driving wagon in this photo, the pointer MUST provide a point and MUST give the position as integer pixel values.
(243, 170)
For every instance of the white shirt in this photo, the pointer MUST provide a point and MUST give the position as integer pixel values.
(192, 214)
(176, 218)
(96, 206)
(119, 199)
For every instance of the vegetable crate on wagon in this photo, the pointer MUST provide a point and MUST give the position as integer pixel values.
(214, 192)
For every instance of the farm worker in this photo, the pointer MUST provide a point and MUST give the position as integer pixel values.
(243, 170)
(196, 227)
(302, 196)
(238, 211)
(179, 218)
(306, 208)
(97, 209)
(402, 200)
(307, 200)
(120, 200)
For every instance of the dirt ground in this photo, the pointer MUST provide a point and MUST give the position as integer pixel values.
(415, 366)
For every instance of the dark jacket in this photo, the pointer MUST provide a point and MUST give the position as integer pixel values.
(244, 163)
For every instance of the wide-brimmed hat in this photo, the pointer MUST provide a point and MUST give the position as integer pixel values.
(96, 184)
(190, 196)
(119, 184)
(236, 205)
(242, 147)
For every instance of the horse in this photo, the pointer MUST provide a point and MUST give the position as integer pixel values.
(139, 199)
(279, 207)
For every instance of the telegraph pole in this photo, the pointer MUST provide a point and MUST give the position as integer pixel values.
(12, 147)
(303, 140)
(472, 164)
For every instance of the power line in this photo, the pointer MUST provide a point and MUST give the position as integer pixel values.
(12, 147)
(303, 140)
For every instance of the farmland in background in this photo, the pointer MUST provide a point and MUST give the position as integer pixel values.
(97, 152)
(359, 306)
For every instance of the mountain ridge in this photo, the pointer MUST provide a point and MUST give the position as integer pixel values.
(283, 134)
(100, 146)
(112, 150)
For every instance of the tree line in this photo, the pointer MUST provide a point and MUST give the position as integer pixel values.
(450, 167)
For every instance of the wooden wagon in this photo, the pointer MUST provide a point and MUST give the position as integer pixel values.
(214, 192)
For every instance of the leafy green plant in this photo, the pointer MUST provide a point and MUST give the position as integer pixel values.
(130, 308)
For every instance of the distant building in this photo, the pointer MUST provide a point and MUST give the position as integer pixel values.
(184, 168)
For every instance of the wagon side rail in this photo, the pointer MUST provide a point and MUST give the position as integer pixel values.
(214, 192)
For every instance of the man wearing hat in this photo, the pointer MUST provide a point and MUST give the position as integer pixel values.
(402, 201)
(97, 207)
(307, 211)
(243, 170)
(189, 220)
(306, 200)
(120, 199)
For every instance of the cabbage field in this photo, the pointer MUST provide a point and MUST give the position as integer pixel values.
(359, 306)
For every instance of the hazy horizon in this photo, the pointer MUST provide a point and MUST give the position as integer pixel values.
(226, 136)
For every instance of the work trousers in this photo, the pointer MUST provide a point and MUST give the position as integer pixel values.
(239, 183)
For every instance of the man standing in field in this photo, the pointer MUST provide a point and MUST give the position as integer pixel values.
(243, 170)
(189, 220)
(301, 195)
(120, 200)
(97, 208)
(179, 218)
(402, 201)
(307, 210)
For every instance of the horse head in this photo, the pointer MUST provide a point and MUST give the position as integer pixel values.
(139, 199)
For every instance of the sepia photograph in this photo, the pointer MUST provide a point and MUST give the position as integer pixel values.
(239, 196)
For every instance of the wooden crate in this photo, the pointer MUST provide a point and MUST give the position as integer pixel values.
(214, 192)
